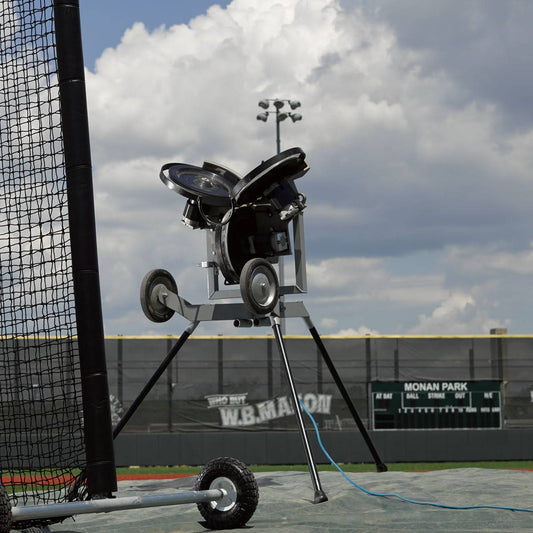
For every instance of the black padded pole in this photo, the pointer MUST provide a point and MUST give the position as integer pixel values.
(380, 465)
(153, 380)
(100, 469)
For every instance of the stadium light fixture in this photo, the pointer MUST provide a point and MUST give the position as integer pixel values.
(279, 103)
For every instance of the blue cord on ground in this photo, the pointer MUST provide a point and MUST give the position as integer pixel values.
(399, 496)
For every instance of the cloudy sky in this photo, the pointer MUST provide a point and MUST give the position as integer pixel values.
(417, 124)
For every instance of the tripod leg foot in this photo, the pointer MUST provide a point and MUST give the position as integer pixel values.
(320, 496)
(381, 467)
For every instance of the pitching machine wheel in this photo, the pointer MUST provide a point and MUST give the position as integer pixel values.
(5, 511)
(242, 494)
(259, 286)
(152, 284)
(289, 164)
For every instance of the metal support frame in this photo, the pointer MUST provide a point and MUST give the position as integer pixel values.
(239, 314)
(106, 505)
(242, 316)
(214, 292)
(209, 312)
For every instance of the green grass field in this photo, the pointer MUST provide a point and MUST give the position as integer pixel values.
(146, 471)
(393, 467)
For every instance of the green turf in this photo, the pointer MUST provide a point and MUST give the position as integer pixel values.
(367, 467)
(394, 467)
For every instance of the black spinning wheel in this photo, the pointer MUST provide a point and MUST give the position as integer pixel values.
(223, 171)
(259, 286)
(198, 183)
(289, 164)
(208, 191)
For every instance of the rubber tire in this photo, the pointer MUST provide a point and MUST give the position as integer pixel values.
(246, 499)
(153, 309)
(5, 511)
(248, 271)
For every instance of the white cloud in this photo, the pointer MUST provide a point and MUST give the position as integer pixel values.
(351, 332)
(349, 274)
(329, 323)
(494, 258)
(402, 159)
(368, 279)
(459, 314)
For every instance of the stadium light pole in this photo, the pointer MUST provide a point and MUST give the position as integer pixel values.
(280, 116)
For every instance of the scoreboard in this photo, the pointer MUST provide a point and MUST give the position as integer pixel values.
(436, 405)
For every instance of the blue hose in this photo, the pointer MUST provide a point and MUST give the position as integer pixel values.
(399, 496)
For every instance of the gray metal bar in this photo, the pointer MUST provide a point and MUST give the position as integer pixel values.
(203, 312)
(320, 495)
(212, 268)
(153, 380)
(299, 253)
(225, 294)
(223, 311)
(107, 505)
(290, 289)
(296, 310)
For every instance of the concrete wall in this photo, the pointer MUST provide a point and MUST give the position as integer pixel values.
(344, 447)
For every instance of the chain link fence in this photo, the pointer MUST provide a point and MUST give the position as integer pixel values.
(239, 383)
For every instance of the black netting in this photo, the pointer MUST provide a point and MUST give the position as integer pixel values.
(41, 424)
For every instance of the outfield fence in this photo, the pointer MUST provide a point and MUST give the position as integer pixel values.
(238, 383)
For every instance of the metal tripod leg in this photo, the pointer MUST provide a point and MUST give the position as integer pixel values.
(153, 380)
(320, 495)
(380, 465)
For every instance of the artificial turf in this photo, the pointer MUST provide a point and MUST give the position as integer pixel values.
(366, 467)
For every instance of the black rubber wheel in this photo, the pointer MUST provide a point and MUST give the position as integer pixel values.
(5, 511)
(151, 284)
(238, 506)
(259, 286)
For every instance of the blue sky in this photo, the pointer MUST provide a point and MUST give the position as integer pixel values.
(417, 124)
(105, 21)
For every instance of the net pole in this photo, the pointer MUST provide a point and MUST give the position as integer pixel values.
(100, 469)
